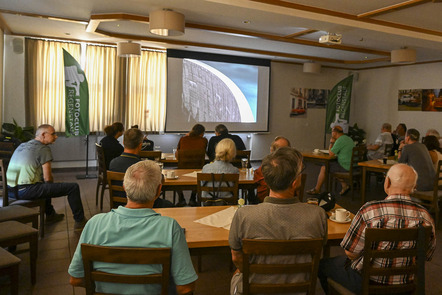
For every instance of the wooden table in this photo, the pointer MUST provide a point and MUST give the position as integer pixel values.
(374, 166)
(321, 158)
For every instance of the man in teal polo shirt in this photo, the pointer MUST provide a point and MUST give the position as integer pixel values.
(341, 146)
(137, 225)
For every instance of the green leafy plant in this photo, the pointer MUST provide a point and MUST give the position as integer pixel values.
(357, 134)
(21, 133)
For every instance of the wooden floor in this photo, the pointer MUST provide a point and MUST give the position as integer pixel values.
(58, 245)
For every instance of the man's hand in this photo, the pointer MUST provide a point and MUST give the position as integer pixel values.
(47, 172)
(237, 259)
(351, 255)
(76, 282)
(185, 289)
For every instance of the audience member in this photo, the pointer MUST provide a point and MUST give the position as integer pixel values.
(195, 140)
(433, 146)
(395, 211)
(341, 145)
(30, 177)
(280, 217)
(377, 150)
(416, 155)
(137, 225)
(262, 188)
(222, 132)
(225, 152)
(399, 135)
(434, 133)
(132, 141)
(147, 143)
(111, 147)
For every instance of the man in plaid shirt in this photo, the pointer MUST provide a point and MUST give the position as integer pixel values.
(395, 211)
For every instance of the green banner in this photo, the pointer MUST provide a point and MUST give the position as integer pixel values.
(338, 105)
(77, 97)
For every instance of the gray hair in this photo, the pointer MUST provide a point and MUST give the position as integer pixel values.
(225, 150)
(433, 132)
(386, 126)
(413, 134)
(42, 128)
(141, 181)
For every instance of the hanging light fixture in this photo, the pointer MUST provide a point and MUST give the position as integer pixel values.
(311, 68)
(403, 56)
(128, 49)
(166, 23)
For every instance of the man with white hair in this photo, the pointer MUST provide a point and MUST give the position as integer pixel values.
(137, 225)
(377, 150)
(397, 210)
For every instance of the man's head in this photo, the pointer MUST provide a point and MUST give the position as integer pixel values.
(401, 129)
(401, 179)
(45, 134)
(279, 142)
(433, 132)
(412, 135)
(142, 182)
(197, 130)
(337, 132)
(386, 127)
(281, 168)
(225, 150)
(133, 139)
(221, 129)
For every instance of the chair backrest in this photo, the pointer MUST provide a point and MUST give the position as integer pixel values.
(214, 183)
(300, 191)
(3, 184)
(312, 247)
(151, 155)
(358, 155)
(91, 253)
(388, 149)
(116, 191)
(101, 161)
(241, 155)
(373, 238)
(191, 159)
(6, 151)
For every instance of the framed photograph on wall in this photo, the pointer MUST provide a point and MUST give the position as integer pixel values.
(410, 100)
(432, 100)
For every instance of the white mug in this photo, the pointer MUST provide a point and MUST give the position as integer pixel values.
(341, 214)
(170, 174)
(316, 151)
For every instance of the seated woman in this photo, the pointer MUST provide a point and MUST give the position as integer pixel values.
(433, 146)
(225, 152)
(111, 147)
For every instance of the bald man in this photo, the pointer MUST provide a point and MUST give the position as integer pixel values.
(397, 210)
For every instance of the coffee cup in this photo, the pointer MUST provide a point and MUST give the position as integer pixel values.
(341, 215)
(313, 201)
(170, 174)
(316, 151)
(384, 160)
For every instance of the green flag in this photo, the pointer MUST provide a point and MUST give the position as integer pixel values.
(338, 105)
(77, 97)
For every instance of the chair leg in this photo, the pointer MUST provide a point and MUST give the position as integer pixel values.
(33, 244)
(42, 220)
(199, 262)
(103, 187)
(13, 274)
(96, 192)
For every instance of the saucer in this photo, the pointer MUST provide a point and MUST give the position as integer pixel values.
(332, 218)
(171, 178)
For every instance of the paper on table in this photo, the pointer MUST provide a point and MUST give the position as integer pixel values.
(324, 151)
(192, 174)
(221, 218)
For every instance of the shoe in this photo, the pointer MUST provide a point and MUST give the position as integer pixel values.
(193, 203)
(181, 203)
(79, 225)
(313, 191)
(53, 218)
(345, 191)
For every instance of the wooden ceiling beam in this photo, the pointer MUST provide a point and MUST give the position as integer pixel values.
(302, 33)
(390, 8)
(4, 26)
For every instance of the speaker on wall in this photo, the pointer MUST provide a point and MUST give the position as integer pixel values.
(17, 45)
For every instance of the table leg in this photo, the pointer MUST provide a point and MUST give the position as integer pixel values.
(327, 176)
(364, 183)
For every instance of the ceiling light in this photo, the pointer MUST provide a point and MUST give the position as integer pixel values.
(403, 56)
(166, 23)
(312, 68)
(128, 49)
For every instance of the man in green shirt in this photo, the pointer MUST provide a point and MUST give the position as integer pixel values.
(341, 146)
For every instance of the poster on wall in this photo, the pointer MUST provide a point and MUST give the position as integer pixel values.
(303, 98)
(432, 100)
(410, 100)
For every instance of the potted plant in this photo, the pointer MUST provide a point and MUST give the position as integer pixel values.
(13, 130)
(357, 134)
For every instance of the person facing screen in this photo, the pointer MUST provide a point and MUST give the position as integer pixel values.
(222, 132)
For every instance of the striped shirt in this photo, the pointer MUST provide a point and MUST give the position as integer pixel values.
(396, 211)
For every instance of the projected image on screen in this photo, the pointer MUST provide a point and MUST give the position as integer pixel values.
(219, 92)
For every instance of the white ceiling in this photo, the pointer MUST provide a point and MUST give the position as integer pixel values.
(371, 38)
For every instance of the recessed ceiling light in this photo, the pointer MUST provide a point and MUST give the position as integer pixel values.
(246, 22)
(68, 34)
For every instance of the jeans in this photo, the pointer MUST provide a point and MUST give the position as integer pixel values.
(52, 190)
(336, 269)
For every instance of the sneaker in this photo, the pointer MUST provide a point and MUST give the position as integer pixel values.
(313, 191)
(53, 218)
(79, 225)
(181, 203)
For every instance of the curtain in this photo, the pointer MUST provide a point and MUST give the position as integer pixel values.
(45, 74)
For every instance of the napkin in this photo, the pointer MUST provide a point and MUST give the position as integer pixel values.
(192, 174)
(221, 218)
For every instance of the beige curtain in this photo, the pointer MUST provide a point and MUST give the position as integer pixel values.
(101, 69)
(146, 91)
(45, 74)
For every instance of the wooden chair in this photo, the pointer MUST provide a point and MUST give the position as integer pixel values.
(430, 199)
(40, 203)
(151, 155)
(388, 150)
(6, 151)
(117, 195)
(414, 256)
(312, 247)
(102, 176)
(237, 162)
(355, 173)
(124, 255)
(215, 183)
(300, 191)
(191, 159)
(9, 267)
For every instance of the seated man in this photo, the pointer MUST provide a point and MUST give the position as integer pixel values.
(398, 136)
(30, 177)
(137, 225)
(133, 140)
(377, 150)
(280, 217)
(395, 211)
(222, 132)
(341, 145)
(263, 189)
